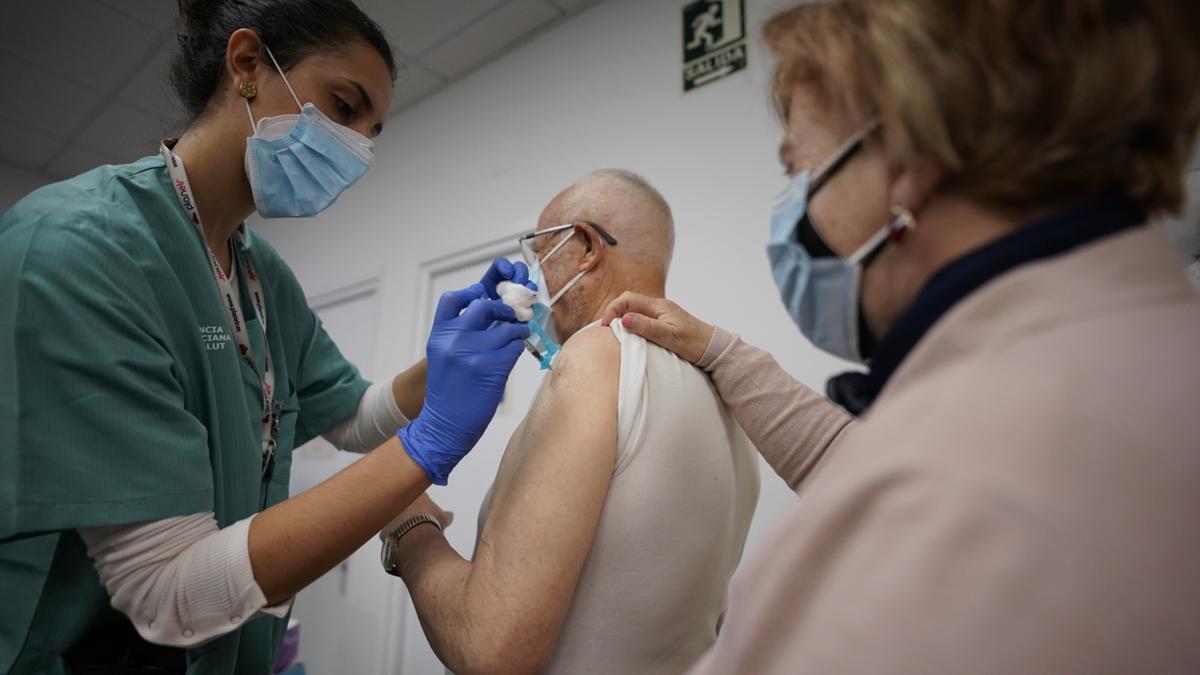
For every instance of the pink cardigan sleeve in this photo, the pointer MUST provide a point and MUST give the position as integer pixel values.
(791, 425)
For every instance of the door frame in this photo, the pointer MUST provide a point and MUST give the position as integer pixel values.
(345, 293)
(480, 255)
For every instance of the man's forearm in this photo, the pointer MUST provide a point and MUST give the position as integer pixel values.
(468, 638)
(296, 541)
(409, 389)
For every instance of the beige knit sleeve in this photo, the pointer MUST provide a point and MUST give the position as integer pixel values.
(791, 425)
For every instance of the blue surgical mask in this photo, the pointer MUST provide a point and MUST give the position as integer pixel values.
(543, 334)
(822, 293)
(298, 165)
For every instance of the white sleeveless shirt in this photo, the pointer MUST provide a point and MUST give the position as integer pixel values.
(679, 505)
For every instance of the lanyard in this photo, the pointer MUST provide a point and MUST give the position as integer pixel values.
(232, 306)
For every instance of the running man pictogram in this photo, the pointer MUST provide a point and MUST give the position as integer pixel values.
(702, 26)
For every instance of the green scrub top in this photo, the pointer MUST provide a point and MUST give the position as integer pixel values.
(123, 399)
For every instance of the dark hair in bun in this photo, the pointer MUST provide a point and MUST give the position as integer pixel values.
(292, 29)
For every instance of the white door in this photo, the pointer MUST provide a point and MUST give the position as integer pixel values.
(471, 479)
(342, 614)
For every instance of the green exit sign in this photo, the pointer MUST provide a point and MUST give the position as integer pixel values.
(714, 41)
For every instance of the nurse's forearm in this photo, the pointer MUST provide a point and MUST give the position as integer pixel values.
(409, 389)
(296, 541)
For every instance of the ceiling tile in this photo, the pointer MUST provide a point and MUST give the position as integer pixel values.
(415, 26)
(75, 160)
(158, 15)
(43, 100)
(78, 39)
(67, 57)
(414, 84)
(488, 37)
(123, 133)
(27, 148)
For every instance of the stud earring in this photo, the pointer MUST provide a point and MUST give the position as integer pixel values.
(248, 89)
(903, 220)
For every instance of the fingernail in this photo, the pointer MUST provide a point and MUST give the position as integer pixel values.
(627, 321)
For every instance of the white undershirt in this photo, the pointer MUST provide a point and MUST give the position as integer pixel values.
(182, 581)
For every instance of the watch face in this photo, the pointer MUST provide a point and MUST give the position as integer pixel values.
(387, 555)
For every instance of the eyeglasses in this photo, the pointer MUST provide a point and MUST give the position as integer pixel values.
(806, 234)
(530, 255)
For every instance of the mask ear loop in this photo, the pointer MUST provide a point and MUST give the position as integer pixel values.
(902, 221)
(840, 156)
(253, 124)
(556, 247)
(540, 262)
(569, 285)
(250, 115)
(285, 80)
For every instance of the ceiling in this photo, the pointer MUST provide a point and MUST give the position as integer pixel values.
(85, 81)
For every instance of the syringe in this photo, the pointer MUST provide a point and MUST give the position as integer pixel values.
(533, 350)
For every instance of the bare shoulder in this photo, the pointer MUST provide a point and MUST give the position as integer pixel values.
(584, 378)
(590, 352)
(572, 422)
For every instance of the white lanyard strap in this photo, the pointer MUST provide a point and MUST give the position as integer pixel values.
(231, 304)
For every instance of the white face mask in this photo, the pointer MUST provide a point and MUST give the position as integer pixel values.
(544, 342)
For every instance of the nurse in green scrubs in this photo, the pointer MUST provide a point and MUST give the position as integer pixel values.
(159, 362)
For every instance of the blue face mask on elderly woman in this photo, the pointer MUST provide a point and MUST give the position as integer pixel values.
(298, 165)
(822, 291)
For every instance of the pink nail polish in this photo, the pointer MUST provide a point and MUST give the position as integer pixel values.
(627, 321)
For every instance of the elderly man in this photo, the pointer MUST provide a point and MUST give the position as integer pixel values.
(623, 499)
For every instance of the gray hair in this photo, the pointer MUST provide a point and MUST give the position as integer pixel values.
(631, 194)
(637, 184)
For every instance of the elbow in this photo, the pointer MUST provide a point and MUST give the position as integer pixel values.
(517, 661)
(505, 653)
(504, 662)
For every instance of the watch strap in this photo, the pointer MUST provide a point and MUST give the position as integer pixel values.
(419, 519)
(391, 539)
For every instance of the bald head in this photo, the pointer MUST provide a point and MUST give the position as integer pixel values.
(636, 215)
(629, 209)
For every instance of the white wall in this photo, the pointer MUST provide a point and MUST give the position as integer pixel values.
(16, 182)
(480, 159)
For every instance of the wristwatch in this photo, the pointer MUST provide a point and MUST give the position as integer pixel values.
(391, 539)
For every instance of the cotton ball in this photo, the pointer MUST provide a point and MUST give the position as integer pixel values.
(518, 297)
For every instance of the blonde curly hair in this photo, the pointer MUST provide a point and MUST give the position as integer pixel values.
(1033, 104)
